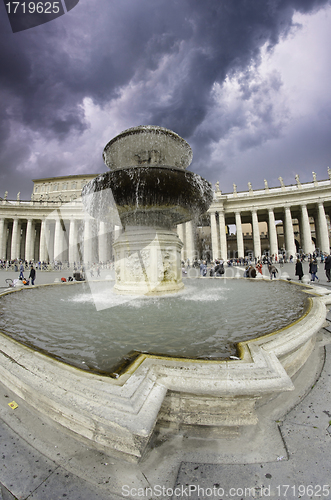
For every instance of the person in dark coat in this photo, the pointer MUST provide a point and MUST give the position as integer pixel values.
(32, 275)
(313, 269)
(298, 269)
(327, 267)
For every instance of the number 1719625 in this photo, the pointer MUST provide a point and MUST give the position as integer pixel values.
(32, 8)
(302, 490)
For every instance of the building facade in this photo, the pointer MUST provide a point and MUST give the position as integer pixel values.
(54, 226)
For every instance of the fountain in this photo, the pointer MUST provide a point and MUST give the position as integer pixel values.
(118, 410)
(153, 193)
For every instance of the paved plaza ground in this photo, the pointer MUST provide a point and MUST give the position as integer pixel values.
(287, 455)
(44, 277)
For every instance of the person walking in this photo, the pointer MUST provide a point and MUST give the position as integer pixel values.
(32, 275)
(299, 269)
(272, 271)
(313, 269)
(327, 267)
(21, 276)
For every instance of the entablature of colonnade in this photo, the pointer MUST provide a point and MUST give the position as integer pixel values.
(308, 194)
(41, 210)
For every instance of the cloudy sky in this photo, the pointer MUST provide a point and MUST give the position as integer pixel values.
(245, 82)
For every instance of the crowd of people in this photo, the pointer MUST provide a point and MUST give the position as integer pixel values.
(23, 270)
(313, 267)
(254, 266)
(27, 271)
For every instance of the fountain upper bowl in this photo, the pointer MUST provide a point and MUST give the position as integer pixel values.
(147, 145)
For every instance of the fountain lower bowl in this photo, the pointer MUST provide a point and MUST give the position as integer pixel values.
(119, 415)
(90, 327)
(160, 196)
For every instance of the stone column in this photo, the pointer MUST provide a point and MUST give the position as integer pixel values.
(190, 241)
(42, 242)
(272, 233)
(289, 234)
(224, 247)
(323, 229)
(33, 242)
(15, 241)
(29, 241)
(87, 241)
(256, 235)
(58, 240)
(306, 233)
(318, 244)
(240, 238)
(73, 251)
(2, 239)
(214, 236)
(50, 232)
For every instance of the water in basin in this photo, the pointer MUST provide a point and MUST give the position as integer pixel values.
(206, 320)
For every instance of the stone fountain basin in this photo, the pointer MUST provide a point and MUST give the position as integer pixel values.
(120, 415)
(147, 144)
(159, 196)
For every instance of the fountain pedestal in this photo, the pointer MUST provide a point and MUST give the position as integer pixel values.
(147, 261)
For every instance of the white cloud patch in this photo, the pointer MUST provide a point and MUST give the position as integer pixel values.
(275, 118)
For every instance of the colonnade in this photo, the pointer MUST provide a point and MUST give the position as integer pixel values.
(86, 240)
(288, 216)
(56, 239)
(48, 231)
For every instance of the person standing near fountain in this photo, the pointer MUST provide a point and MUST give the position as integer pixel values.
(299, 269)
(313, 269)
(32, 275)
(272, 270)
(327, 267)
(21, 276)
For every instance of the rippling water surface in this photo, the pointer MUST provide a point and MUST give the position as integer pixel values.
(94, 328)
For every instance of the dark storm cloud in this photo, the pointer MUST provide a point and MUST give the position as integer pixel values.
(227, 36)
(102, 46)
